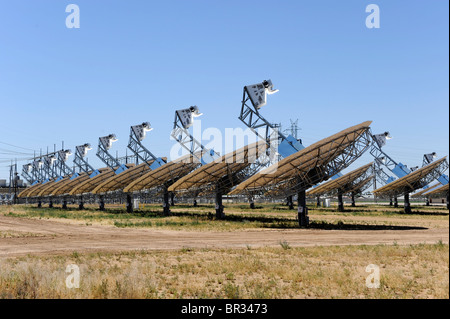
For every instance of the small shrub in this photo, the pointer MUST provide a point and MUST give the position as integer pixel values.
(285, 245)
(231, 291)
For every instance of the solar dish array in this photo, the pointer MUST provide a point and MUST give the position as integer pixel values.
(426, 190)
(439, 192)
(204, 173)
(221, 174)
(414, 181)
(354, 182)
(165, 175)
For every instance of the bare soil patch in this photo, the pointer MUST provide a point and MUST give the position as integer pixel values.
(59, 238)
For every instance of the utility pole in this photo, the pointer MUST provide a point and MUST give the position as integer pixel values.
(16, 177)
(13, 175)
(10, 178)
(375, 184)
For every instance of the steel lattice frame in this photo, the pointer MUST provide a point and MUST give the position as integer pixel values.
(27, 173)
(38, 170)
(57, 173)
(139, 150)
(251, 117)
(380, 174)
(187, 141)
(62, 167)
(362, 186)
(81, 162)
(231, 174)
(378, 153)
(107, 158)
(49, 168)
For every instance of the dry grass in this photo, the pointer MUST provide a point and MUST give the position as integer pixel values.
(420, 271)
(18, 234)
(241, 217)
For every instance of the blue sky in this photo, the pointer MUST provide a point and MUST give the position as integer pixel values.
(135, 61)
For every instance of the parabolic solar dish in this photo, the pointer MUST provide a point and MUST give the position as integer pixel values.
(352, 182)
(223, 173)
(310, 166)
(46, 190)
(164, 175)
(426, 190)
(25, 192)
(120, 181)
(89, 185)
(65, 188)
(414, 181)
(439, 192)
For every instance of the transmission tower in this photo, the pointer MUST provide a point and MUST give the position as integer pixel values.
(293, 130)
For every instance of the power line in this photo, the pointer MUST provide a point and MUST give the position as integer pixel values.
(27, 149)
(5, 152)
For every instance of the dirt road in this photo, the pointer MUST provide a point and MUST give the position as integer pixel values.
(43, 237)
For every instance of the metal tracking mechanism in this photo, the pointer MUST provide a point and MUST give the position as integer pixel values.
(81, 162)
(104, 145)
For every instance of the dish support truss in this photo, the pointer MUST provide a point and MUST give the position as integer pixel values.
(281, 144)
(141, 153)
(303, 180)
(407, 188)
(353, 188)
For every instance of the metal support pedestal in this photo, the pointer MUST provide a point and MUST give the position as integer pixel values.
(81, 204)
(428, 202)
(195, 203)
(50, 204)
(251, 201)
(166, 206)
(395, 202)
(407, 204)
(129, 204)
(353, 200)
(303, 218)
(172, 199)
(318, 201)
(448, 201)
(290, 203)
(64, 205)
(102, 204)
(340, 203)
(219, 207)
(39, 204)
